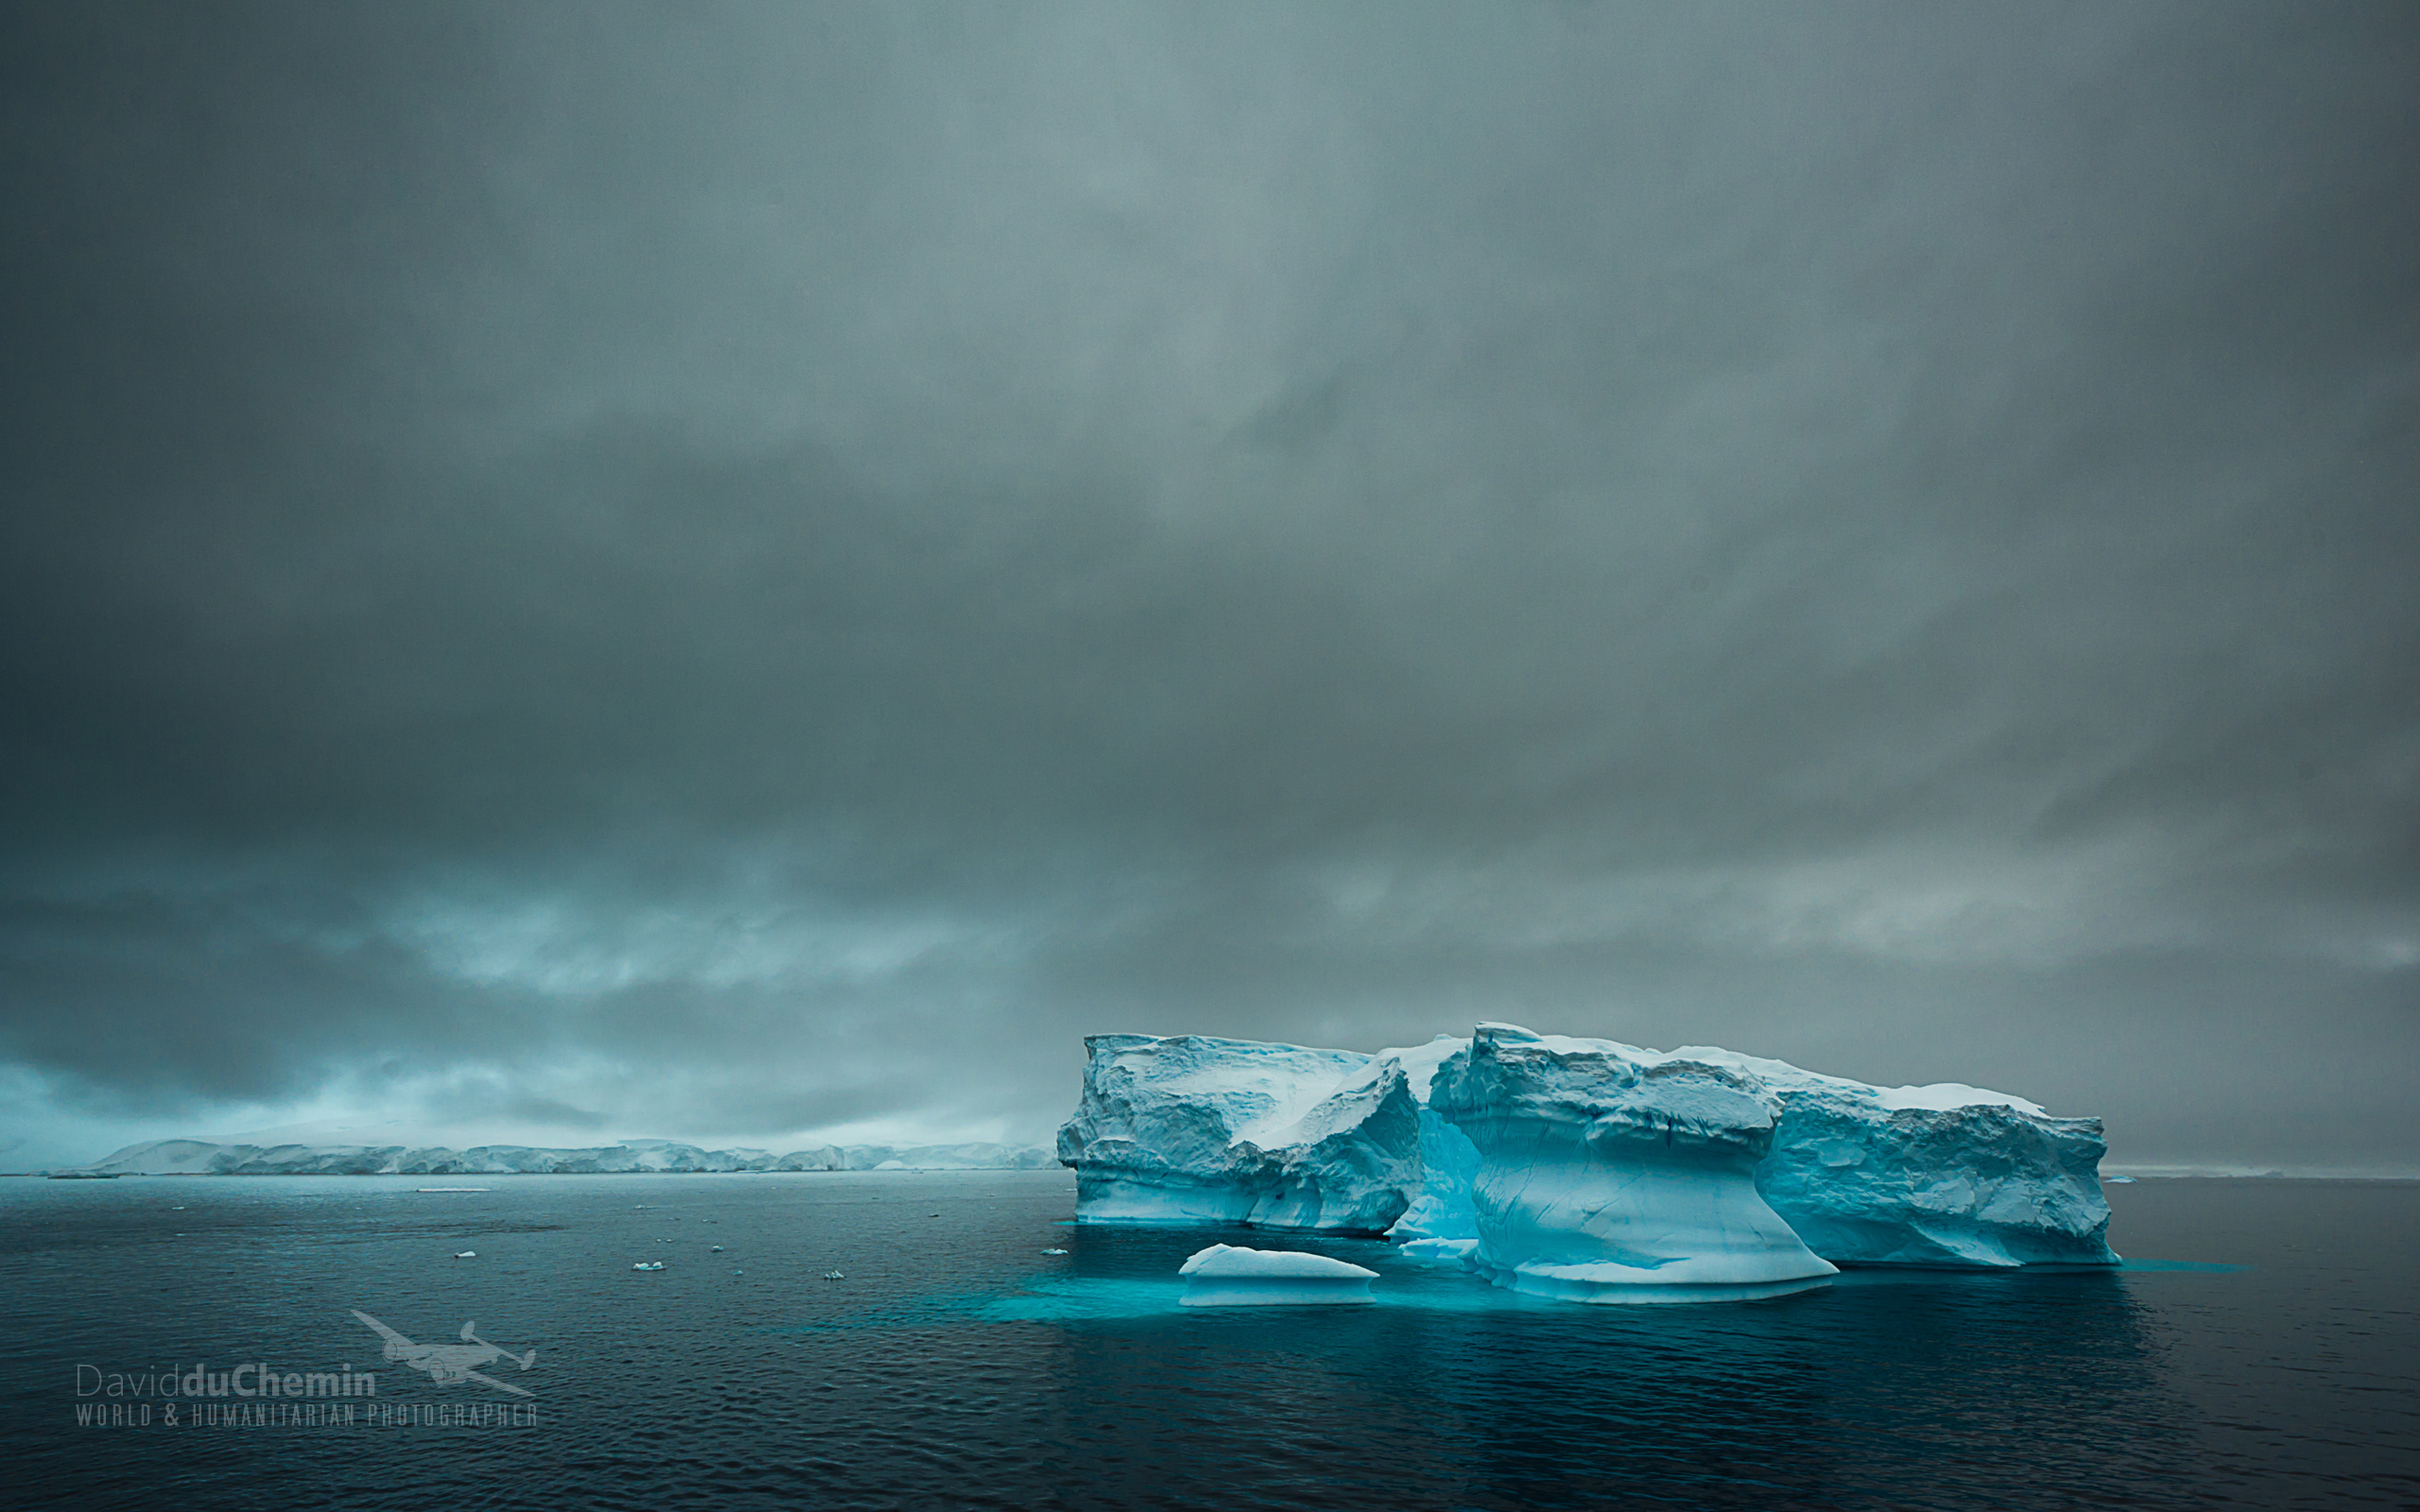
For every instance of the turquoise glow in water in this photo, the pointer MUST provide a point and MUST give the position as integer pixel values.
(956, 1363)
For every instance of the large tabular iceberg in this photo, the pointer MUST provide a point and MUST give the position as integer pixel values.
(1607, 1175)
(1192, 1130)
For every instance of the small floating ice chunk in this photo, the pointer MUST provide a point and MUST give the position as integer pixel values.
(466, 1254)
(2117, 1180)
(833, 1276)
(716, 1248)
(649, 1264)
(1054, 1252)
(1229, 1275)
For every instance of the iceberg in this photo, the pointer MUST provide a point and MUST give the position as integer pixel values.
(1229, 1275)
(1608, 1177)
(1192, 1130)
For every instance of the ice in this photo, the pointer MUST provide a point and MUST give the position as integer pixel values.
(1193, 1129)
(1606, 1179)
(1198, 1130)
(1439, 1222)
(1944, 1175)
(1229, 1275)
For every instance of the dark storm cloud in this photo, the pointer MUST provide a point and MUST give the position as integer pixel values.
(744, 570)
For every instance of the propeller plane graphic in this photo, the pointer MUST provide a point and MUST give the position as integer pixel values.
(451, 1364)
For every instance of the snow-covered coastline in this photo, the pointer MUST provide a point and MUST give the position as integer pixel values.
(189, 1156)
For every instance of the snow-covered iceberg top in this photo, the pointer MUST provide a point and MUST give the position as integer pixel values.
(1230, 1276)
(1608, 1177)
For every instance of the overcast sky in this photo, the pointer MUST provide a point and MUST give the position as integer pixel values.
(750, 573)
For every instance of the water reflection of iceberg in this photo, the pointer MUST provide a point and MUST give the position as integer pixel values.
(1885, 1387)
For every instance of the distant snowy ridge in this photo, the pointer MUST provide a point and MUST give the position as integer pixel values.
(206, 1157)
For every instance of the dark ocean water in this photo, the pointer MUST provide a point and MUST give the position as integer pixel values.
(2272, 1361)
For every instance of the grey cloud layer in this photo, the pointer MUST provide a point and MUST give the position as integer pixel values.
(770, 567)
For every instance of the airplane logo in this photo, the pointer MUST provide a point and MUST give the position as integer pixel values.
(450, 1365)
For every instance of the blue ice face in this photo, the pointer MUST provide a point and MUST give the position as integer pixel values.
(1572, 1167)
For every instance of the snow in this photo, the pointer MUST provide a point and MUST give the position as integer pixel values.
(1229, 1275)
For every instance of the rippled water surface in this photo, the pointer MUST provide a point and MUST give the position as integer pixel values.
(2262, 1351)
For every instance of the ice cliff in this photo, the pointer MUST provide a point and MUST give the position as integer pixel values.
(1439, 1222)
(1947, 1174)
(1608, 1175)
(1192, 1130)
(1427, 1144)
